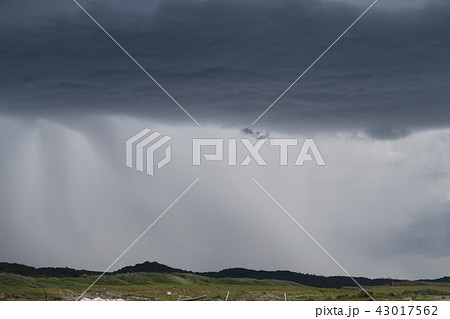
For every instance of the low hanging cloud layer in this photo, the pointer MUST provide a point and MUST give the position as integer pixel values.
(376, 106)
(226, 62)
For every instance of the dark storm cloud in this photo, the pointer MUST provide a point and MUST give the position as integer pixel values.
(255, 134)
(67, 198)
(388, 133)
(227, 61)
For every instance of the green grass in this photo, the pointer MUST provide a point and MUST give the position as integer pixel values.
(154, 286)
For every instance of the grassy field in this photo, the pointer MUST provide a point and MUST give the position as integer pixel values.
(153, 286)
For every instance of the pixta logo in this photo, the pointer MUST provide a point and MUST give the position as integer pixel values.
(253, 151)
(144, 144)
(142, 147)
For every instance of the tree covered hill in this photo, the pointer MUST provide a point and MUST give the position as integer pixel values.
(154, 267)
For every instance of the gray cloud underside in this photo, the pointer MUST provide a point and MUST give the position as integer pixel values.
(425, 236)
(227, 61)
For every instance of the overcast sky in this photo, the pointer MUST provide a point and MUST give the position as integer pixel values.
(376, 105)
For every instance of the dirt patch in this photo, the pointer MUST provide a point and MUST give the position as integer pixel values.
(12, 296)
